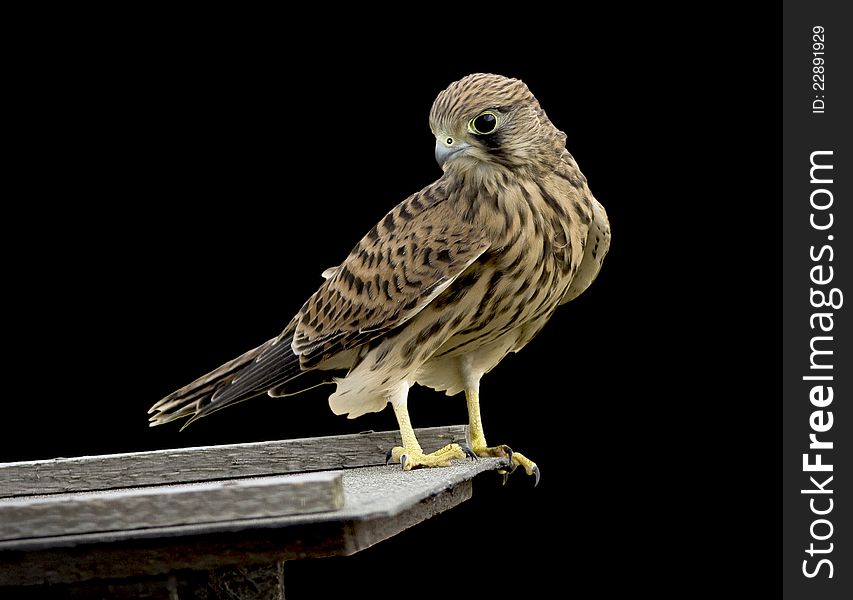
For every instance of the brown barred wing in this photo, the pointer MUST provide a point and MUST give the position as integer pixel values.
(398, 268)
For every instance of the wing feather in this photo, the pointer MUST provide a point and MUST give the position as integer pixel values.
(399, 267)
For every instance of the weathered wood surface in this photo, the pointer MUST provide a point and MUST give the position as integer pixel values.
(210, 463)
(183, 504)
(379, 502)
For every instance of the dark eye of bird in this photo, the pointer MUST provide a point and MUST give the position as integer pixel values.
(485, 123)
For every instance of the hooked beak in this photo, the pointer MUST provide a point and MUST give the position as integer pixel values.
(443, 152)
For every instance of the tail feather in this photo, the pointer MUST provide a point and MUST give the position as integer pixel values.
(270, 364)
(274, 366)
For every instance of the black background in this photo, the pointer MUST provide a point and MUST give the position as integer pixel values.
(188, 180)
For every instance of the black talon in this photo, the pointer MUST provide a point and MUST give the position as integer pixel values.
(536, 473)
(388, 455)
(468, 452)
(508, 451)
(404, 458)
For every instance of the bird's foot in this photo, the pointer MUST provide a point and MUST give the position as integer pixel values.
(411, 458)
(516, 459)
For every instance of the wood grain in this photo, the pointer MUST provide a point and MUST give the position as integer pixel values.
(209, 502)
(210, 462)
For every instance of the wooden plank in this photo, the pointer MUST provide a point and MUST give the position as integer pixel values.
(369, 493)
(379, 503)
(184, 504)
(210, 462)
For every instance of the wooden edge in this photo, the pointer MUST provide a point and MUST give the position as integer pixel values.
(148, 558)
(208, 463)
(366, 533)
(354, 510)
(208, 502)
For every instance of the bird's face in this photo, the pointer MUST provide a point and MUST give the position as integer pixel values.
(486, 120)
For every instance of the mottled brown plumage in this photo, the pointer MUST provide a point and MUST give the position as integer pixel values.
(446, 284)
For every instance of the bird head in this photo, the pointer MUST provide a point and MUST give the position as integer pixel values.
(486, 120)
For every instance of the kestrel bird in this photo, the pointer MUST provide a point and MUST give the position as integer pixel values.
(449, 282)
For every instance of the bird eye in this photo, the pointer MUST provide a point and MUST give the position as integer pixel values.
(484, 123)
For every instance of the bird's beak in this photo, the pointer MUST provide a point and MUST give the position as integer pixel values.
(443, 152)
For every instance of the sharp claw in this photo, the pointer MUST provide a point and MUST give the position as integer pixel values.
(388, 455)
(404, 458)
(508, 451)
(536, 473)
(468, 452)
(505, 477)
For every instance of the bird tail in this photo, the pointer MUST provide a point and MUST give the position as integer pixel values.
(271, 364)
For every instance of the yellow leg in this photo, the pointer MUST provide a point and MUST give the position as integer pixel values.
(477, 439)
(410, 454)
